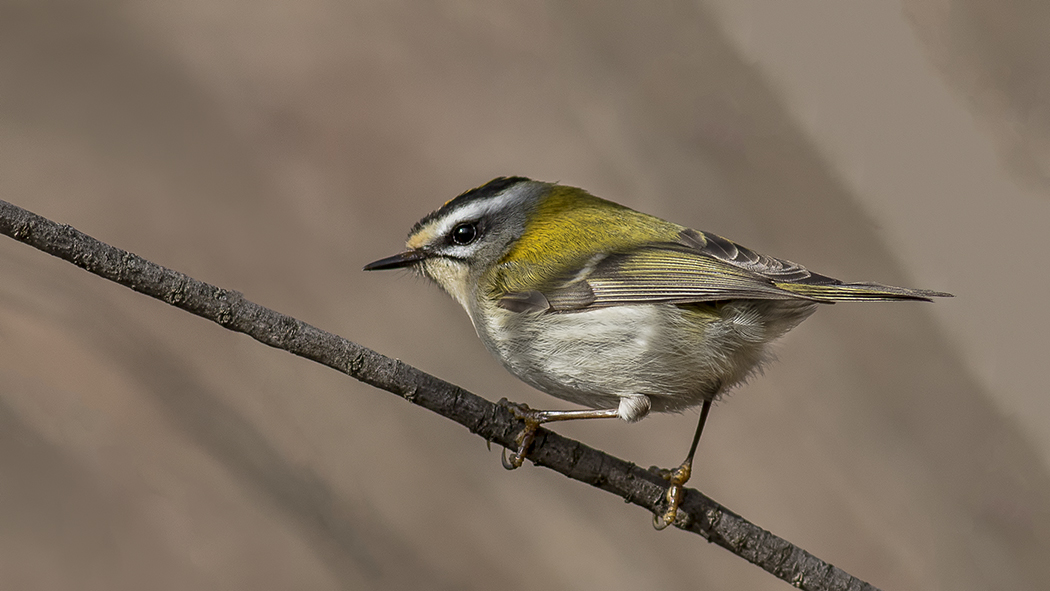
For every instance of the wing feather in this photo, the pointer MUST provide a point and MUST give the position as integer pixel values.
(778, 270)
(698, 268)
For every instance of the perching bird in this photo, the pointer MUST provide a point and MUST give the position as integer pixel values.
(613, 309)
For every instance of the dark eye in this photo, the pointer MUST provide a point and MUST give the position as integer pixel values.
(464, 233)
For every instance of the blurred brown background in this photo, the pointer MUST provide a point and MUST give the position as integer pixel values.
(276, 146)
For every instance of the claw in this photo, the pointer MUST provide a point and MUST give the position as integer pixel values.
(660, 522)
(525, 437)
(514, 462)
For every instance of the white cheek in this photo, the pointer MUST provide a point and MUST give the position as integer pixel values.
(452, 277)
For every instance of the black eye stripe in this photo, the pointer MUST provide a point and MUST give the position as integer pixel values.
(464, 233)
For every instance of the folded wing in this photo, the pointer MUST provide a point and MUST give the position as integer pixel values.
(699, 267)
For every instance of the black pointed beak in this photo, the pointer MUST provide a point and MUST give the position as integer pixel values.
(398, 261)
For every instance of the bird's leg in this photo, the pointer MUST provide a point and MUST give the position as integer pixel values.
(679, 476)
(534, 418)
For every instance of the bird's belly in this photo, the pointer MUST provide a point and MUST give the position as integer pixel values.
(676, 356)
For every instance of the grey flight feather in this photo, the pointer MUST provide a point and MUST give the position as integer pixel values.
(699, 267)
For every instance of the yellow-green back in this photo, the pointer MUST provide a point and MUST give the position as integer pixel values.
(566, 230)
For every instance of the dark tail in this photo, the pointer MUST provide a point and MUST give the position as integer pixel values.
(860, 292)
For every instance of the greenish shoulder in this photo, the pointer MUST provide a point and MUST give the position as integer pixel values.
(567, 230)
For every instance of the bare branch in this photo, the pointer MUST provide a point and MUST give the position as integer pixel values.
(230, 309)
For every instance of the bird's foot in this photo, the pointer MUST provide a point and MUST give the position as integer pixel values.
(677, 477)
(533, 419)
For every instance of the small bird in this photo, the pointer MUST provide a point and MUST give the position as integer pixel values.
(613, 309)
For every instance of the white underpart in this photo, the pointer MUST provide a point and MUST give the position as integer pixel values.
(595, 358)
(638, 359)
(645, 334)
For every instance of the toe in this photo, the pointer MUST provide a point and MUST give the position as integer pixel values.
(512, 462)
(660, 522)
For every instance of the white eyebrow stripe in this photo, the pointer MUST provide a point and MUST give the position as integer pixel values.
(472, 211)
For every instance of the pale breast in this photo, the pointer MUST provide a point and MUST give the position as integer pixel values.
(677, 356)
